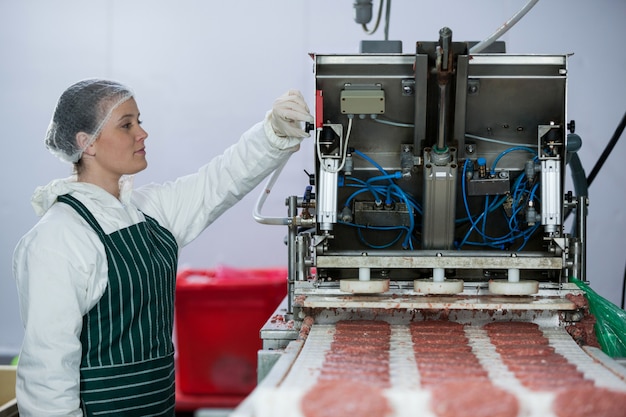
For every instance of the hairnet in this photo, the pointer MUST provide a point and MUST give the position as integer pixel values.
(84, 107)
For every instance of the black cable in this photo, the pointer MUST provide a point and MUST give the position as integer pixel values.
(594, 172)
(623, 290)
(380, 13)
(387, 17)
(607, 151)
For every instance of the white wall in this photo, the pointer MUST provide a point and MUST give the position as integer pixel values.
(204, 71)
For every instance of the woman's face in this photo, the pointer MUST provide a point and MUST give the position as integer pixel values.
(120, 148)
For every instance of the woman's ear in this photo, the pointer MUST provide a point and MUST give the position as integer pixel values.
(83, 139)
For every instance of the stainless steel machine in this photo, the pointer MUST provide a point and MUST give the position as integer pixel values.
(438, 193)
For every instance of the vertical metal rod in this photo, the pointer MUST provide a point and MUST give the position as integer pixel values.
(445, 42)
(443, 116)
(581, 224)
(291, 250)
(444, 71)
(575, 256)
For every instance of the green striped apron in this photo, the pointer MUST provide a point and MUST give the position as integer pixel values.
(127, 366)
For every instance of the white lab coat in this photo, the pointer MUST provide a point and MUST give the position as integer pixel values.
(60, 265)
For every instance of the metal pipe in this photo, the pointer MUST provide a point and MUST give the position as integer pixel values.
(480, 46)
(256, 214)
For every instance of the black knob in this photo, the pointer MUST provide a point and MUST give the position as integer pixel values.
(571, 126)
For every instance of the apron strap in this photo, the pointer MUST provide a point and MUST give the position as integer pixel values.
(82, 210)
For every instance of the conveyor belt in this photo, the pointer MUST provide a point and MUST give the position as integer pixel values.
(281, 393)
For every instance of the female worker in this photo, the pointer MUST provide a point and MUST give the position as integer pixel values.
(96, 275)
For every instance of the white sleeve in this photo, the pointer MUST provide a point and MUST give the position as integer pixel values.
(191, 203)
(54, 269)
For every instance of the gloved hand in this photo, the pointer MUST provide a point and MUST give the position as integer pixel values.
(288, 114)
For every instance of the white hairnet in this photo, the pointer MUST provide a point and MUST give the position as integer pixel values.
(84, 107)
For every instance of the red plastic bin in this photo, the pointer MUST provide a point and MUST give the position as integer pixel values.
(218, 316)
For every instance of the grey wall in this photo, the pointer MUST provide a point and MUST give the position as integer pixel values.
(204, 71)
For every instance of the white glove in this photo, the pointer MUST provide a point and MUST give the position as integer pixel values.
(288, 112)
